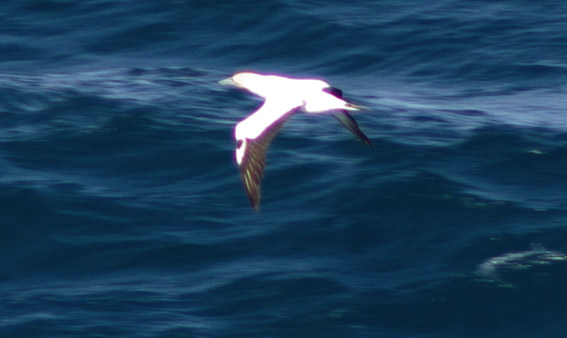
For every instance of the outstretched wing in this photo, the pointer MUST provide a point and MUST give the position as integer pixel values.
(254, 159)
(348, 121)
(345, 118)
(252, 170)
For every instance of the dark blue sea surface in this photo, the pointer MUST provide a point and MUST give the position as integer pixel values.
(122, 213)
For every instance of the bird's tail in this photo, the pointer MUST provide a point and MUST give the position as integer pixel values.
(351, 106)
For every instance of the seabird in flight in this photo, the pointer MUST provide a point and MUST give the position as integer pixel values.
(282, 98)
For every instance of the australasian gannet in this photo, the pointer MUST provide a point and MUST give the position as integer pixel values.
(282, 97)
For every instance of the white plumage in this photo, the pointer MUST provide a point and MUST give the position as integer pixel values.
(282, 97)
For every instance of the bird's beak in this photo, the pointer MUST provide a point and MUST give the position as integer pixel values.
(227, 82)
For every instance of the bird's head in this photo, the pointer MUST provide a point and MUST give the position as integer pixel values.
(254, 83)
(242, 80)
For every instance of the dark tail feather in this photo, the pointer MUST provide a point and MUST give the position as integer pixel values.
(346, 120)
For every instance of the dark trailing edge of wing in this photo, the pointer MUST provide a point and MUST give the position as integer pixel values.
(254, 161)
(252, 170)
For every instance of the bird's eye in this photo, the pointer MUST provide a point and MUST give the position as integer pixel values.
(239, 144)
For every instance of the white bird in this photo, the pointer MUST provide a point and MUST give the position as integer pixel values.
(282, 97)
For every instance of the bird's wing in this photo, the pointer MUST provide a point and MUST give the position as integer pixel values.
(254, 158)
(345, 118)
(336, 92)
(348, 121)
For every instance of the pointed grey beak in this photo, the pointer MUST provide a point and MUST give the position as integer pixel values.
(227, 82)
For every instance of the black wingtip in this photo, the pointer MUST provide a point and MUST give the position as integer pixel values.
(253, 196)
(348, 121)
(255, 204)
(252, 187)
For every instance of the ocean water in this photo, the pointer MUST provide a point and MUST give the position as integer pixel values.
(123, 214)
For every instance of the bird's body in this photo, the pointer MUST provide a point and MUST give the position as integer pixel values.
(282, 97)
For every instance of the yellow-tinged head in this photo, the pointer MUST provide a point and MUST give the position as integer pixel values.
(244, 80)
(261, 85)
